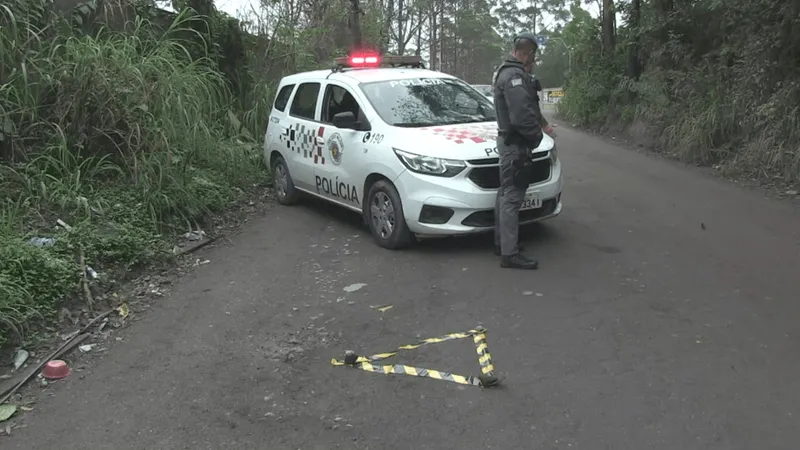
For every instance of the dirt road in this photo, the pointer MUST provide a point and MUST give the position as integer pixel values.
(641, 330)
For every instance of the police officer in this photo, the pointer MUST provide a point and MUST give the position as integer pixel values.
(520, 128)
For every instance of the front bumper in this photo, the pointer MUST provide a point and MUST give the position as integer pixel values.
(464, 204)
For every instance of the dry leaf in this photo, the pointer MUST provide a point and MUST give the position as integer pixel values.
(123, 310)
(6, 411)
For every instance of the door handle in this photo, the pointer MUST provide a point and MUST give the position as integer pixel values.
(320, 141)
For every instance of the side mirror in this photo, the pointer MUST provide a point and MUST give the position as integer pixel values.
(345, 120)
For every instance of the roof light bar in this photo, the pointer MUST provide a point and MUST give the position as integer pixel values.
(366, 60)
(402, 60)
(372, 60)
(358, 61)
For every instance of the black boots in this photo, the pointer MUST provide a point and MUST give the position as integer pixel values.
(519, 261)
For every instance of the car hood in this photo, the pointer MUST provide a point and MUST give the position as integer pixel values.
(463, 141)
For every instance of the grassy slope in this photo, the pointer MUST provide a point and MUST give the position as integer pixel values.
(124, 137)
(707, 95)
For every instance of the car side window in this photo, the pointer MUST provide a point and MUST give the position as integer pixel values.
(305, 101)
(282, 99)
(338, 100)
(465, 104)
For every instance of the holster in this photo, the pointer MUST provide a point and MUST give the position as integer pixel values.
(523, 170)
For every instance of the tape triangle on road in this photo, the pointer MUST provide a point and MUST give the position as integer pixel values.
(487, 378)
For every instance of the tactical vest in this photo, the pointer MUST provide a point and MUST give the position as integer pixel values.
(499, 69)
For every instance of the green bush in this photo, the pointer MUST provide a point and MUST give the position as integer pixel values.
(711, 95)
(590, 92)
(33, 281)
(126, 137)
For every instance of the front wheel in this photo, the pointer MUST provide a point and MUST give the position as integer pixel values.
(384, 214)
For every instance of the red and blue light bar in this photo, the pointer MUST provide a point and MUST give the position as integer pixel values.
(374, 60)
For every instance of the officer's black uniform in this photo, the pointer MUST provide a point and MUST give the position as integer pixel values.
(519, 131)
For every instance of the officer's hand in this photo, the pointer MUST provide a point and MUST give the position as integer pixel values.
(549, 130)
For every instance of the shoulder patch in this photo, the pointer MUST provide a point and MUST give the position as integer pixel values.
(516, 82)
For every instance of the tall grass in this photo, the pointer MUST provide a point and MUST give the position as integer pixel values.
(710, 96)
(699, 116)
(124, 136)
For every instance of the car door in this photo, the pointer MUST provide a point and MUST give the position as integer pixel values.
(340, 177)
(301, 134)
(278, 123)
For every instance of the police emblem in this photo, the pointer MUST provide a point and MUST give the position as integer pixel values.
(335, 148)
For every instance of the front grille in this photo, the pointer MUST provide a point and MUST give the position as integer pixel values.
(494, 161)
(489, 177)
(484, 161)
(485, 177)
(485, 218)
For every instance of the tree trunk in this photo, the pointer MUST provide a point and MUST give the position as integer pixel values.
(386, 35)
(609, 40)
(419, 34)
(442, 41)
(433, 40)
(401, 27)
(634, 65)
(355, 24)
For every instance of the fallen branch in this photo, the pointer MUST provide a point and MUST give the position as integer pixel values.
(197, 246)
(67, 346)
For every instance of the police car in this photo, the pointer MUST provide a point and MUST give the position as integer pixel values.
(411, 150)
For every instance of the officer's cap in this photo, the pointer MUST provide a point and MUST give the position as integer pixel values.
(526, 35)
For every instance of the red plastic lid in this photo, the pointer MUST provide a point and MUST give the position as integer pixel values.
(55, 370)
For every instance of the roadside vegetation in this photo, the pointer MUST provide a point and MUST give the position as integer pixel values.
(130, 137)
(710, 82)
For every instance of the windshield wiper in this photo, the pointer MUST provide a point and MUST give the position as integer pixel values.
(483, 119)
(415, 124)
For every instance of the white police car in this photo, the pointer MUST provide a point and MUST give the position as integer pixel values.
(411, 150)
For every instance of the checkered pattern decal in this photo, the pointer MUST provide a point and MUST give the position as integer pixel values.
(303, 139)
(468, 134)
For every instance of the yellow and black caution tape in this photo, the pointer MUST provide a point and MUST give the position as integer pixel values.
(484, 358)
(486, 379)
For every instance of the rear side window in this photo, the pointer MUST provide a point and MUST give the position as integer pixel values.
(305, 101)
(282, 99)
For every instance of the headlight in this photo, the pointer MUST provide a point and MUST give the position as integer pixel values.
(429, 165)
(554, 154)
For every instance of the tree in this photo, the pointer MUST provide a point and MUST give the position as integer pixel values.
(715, 82)
(528, 15)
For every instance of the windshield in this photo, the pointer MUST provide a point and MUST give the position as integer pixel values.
(484, 89)
(423, 102)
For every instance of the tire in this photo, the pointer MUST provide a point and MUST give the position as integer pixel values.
(383, 213)
(282, 181)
